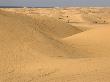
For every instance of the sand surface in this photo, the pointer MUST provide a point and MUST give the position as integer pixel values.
(55, 45)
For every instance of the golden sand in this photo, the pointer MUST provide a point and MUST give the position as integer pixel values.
(55, 45)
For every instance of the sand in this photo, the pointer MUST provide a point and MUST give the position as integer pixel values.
(55, 45)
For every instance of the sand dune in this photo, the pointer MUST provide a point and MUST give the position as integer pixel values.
(27, 36)
(91, 43)
(42, 48)
(54, 27)
(82, 18)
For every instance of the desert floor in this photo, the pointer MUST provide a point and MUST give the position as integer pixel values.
(55, 44)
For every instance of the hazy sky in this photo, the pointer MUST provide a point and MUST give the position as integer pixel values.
(47, 3)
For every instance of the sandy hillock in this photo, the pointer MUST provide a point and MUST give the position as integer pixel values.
(22, 35)
(91, 43)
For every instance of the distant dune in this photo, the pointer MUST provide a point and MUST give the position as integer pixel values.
(37, 46)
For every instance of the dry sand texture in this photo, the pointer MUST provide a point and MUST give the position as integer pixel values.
(55, 45)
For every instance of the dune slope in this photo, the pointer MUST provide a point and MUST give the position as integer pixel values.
(21, 35)
(92, 43)
(24, 43)
(54, 27)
